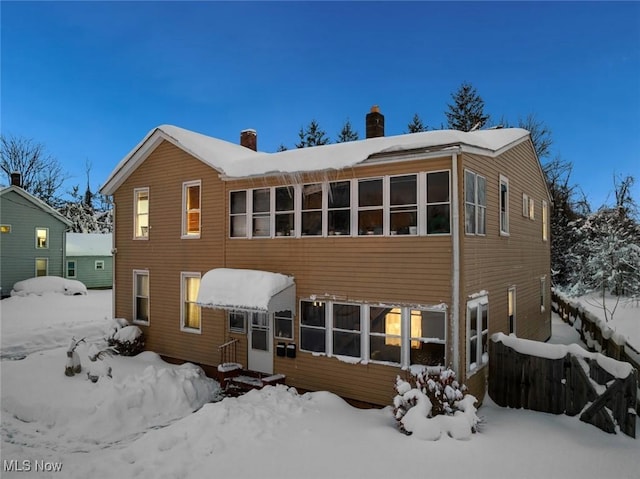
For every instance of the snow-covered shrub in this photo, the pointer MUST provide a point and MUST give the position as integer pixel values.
(127, 340)
(427, 396)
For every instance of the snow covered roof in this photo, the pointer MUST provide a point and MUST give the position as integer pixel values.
(36, 201)
(235, 161)
(247, 290)
(89, 244)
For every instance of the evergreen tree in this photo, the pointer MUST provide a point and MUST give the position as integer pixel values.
(313, 135)
(281, 147)
(416, 125)
(347, 133)
(467, 111)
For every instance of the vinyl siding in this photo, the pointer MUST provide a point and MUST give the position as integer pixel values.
(89, 275)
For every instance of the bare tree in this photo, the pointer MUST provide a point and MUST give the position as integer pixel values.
(41, 173)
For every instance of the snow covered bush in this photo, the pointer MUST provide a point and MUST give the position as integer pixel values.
(126, 339)
(432, 402)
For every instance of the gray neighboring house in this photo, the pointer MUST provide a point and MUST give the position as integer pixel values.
(89, 259)
(32, 237)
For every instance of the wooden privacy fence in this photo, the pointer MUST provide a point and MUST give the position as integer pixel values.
(563, 380)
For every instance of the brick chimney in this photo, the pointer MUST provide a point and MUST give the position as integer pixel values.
(375, 123)
(249, 139)
(16, 179)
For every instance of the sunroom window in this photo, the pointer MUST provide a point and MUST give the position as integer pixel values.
(262, 212)
(438, 203)
(339, 209)
(285, 211)
(403, 208)
(312, 209)
(370, 207)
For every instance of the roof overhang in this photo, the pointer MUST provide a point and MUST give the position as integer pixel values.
(247, 290)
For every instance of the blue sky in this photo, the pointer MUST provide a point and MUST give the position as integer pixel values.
(89, 80)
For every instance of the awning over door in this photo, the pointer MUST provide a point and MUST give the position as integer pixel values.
(247, 290)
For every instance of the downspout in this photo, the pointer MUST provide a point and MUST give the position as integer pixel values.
(455, 280)
(114, 254)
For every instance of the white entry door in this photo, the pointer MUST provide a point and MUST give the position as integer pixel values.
(260, 343)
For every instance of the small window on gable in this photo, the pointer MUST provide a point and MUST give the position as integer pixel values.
(191, 216)
(42, 238)
(525, 205)
(99, 265)
(545, 221)
(504, 205)
(532, 209)
(141, 213)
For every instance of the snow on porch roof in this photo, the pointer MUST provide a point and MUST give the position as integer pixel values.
(247, 290)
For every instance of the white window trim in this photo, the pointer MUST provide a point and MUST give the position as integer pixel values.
(136, 192)
(525, 205)
(322, 209)
(349, 331)
(75, 268)
(47, 237)
(136, 273)
(476, 203)
(327, 330)
(476, 303)
(532, 209)
(35, 265)
(99, 262)
(185, 187)
(422, 197)
(292, 232)
(504, 220)
(245, 214)
(184, 275)
(512, 292)
(545, 221)
(292, 319)
(242, 330)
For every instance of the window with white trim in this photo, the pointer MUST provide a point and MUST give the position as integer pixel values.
(238, 214)
(99, 265)
(141, 296)
(313, 326)
(427, 337)
(385, 334)
(71, 268)
(42, 267)
(339, 208)
(42, 238)
(346, 330)
(285, 210)
(191, 213)
(261, 213)
(532, 209)
(525, 205)
(477, 333)
(370, 207)
(141, 213)
(190, 317)
(504, 205)
(284, 324)
(237, 321)
(403, 205)
(475, 203)
(543, 294)
(312, 200)
(438, 203)
(545, 221)
(511, 309)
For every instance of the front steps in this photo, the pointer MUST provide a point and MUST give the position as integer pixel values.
(235, 380)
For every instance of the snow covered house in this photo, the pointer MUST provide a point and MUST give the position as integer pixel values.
(32, 237)
(337, 266)
(89, 259)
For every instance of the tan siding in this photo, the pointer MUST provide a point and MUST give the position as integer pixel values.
(494, 262)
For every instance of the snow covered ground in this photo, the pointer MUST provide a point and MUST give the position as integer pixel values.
(154, 420)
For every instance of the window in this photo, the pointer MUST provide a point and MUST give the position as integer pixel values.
(532, 212)
(190, 317)
(543, 293)
(141, 297)
(5, 228)
(71, 269)
(42, 267)
(312, 326)
(438, 207)
(312, 209)
(545, 221)
(525, 205)
(385, 338)
(475, 203)
(346, 330)
(42, 238)
(238, 214)
(284, 324)
(262, 212)
(99, 265)
(477, 333)
(504, 205)
(511, 305)
(191, 209)
(403, 205)
(370, 207)
(260, 331)
(427, 330)
(237, 321)
(339, 208)
(141, 213)
(285, 211)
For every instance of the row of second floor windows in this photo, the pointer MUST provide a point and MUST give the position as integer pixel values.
(416, 204)
(41, 236)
